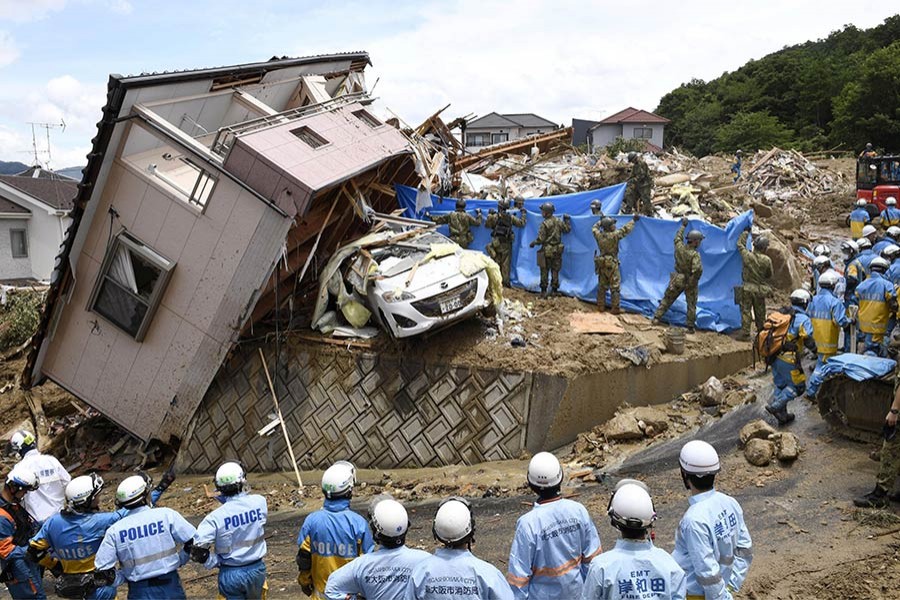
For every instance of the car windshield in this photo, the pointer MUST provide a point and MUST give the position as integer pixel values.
(401, 257)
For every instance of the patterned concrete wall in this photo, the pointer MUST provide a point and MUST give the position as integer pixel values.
(372, 409)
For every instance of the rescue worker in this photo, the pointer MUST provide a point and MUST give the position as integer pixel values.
(877, 302)
(606, 265)
(554, 542)
(890, 216)
(712, 543)
(821, 266)
(501, 223)
(385, 572)
(21, 576)
(787, 371)
(453, 572)
(145, 543)
(686, 277)
(637, 192)
(864, 257)
(73, 537)
(871, 234)
(891, 237)
(756, 275)
(869, 151)
(820, 250)
(859, 218)
(889, 466)
(332, 536)
(233, 537)
(635, 567)
(550, 239)
(460, 223)
(50, 497)
(828, 315)
(892, 255)
(596, 207)
(736, 166)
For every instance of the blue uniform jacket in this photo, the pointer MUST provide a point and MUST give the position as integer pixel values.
(634, 570)
(235, 532)
(713, 546)
(553, 545)
(382, 574)
(451, 574)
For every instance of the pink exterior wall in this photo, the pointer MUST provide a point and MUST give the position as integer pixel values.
(222, 256)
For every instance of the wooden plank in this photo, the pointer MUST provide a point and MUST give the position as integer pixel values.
(603, 323)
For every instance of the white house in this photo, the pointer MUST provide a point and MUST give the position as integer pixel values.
(495, 128)
(34, 216)
(631, 123)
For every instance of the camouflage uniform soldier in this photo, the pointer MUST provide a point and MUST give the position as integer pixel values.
(890, 458)
(757, 272)
(501, 224)
(686, 278)
(638, 190)
(596, 208)
(550, 238)
(460, 222)
(606, 264)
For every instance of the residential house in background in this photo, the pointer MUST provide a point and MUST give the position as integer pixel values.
(631, 123)
(206, 194)
(495, 128)
(580, 129)
(34, 217)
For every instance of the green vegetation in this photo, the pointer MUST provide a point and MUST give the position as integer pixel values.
(19, 317)
(620, 144)
(840, 92)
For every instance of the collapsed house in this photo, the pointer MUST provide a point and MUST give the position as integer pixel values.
(207, 197)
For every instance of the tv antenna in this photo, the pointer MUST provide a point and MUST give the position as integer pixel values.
(34, 135)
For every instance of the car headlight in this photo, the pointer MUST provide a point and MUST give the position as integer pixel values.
(397, 296)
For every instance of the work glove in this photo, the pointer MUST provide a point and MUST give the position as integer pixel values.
(522, 212)
(306, 587)
(636, 218)
(166, 480)
(567, 218)
(478, 211)
(684, 221)
(531, 245)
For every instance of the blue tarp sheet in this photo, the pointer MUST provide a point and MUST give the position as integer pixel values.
(647, 255)
(858, 367)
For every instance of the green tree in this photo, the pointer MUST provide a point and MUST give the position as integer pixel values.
(752, 131)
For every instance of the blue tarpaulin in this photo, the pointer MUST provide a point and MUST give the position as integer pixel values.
(647, 255)
(858, 367)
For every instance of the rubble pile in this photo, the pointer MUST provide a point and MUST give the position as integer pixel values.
(786, 175)
(763, 444)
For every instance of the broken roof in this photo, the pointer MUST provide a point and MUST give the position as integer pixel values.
(58, 193)
(511, 120)
(633, 115)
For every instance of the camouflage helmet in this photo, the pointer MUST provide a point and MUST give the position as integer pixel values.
(503, 203)
(547, 208)
(460, 204)
(694, 235)
(632, 156)
(596, 206)
(608, 223)
(761, 243)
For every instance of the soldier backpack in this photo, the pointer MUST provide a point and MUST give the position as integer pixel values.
(770, 340)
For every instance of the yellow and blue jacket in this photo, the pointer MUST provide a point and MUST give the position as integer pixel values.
(800, 331)
(890, 217)
(828, 316)
(859, 218)
(877, 302)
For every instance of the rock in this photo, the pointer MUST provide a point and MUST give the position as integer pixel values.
(759, 452)
(786, 271)
(739, 397)
(787, 446)
(623, 427)
(652, 418)
(761, 210)
(757, 429)
(712, 393)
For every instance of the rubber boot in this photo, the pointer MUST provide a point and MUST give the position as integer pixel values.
(615, 301)
(543, 291)
(781, 416)
(877, 498)
(554, 291)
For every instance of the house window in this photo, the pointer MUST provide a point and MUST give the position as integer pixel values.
(497, 138)
(309, 137)
(478, 139)
(130, 286)
(367, 118)
(643, 133)
(19, 242)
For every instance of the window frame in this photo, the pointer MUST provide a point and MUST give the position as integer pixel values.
(478, 139)
(164, 264)
(304, 131)
(505, 137)
(367, 118)
(12, 244)
(643, 130)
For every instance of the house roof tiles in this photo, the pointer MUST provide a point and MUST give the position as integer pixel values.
(58, 193)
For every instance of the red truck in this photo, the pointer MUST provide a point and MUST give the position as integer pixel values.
(877, 178)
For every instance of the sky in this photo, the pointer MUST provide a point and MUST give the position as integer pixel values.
(560, 59)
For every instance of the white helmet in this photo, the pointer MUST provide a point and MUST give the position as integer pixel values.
(800, 297)
(894, 231)
(863, 243)
(821, 250)
(453, 521)
(869, 230)
(861, 202)
(879, 264)
(350, 466)
(828, 280)
(631, 507)
(22, 441)
(81, 491)
(821, 261)
(699, 458)
(890, 252)
(230, 478)
(132, 491)
(544, 471)
(337, 480)
(389, 519)
(891, 201)
(21, 478)
(849, 247)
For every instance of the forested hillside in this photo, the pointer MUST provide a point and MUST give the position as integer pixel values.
(840, 92)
